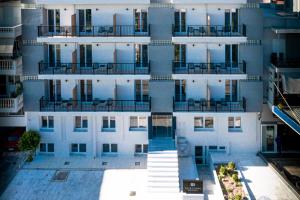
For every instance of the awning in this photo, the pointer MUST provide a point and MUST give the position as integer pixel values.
(6, 47)
(291, 83)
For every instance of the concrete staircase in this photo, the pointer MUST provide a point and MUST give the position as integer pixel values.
(163, 171)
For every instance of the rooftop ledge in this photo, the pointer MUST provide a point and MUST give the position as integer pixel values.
(103, 2)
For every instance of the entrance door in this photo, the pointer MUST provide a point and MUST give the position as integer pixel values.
(268, 134)
(162, 126)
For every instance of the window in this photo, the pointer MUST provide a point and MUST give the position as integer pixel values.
(47, 122)
(138, 123)
(81, 123)
(47, 147)
(212, 148)
(108, 123)
(78, 148)
(234, 123)
(203, 123)
(141, 148)
(110, 148)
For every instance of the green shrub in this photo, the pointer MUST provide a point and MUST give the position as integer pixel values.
(29, 142)
(235, 178)
(223, 170)
(231, 166)
(238, 197)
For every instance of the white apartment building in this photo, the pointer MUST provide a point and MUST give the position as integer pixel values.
(101, 93)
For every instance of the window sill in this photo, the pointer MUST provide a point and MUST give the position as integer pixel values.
(109, 154)
(46, 153)
(203, 129)
(140, 154)
(137, 129)
(80, 130)
(108, 130)
(46, 129)
(78, 153)
(235, 130)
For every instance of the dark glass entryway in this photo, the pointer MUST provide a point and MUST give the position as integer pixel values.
(162, 126)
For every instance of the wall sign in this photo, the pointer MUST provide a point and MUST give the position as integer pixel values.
(193, 186)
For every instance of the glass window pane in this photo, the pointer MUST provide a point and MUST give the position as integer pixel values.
(77, 122)
(237, 123)
(198, 151)
(138, 148)
(230, 122)
(51, 121)
(42, 147)
(74, 147)
(105, 148)
(145, 148)
(198, 122)
(44, 122)
(105, 122)
(142, 122)
(82, 147)
(133, 122)
(114, 148)
(209, 122)
(84, 122)
(50, 147)
(112, 122)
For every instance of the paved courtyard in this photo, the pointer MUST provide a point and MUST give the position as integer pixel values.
(115, 184)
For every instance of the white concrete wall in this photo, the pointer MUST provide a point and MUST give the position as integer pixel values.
(101, 15)
(198, 52)
(245, 141)
(197, 88)
(63, 134)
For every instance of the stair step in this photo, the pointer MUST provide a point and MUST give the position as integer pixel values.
(163, 179)
(163, 169)
(163, 185)
(157, 155)
(166, 165)
(163, 174)
(164, 159)
(163, 152)
(163, 190)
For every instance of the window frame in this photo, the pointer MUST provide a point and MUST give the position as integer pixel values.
(78, 146)
(204, 120)
(47, 119)
(143, 149)
(110, 119)
(234, 127)
(46, 148)
(138, 127)
(81, 128)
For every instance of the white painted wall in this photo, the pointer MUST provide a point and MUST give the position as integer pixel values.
(63, 134)
(246, 141)
(197, 52)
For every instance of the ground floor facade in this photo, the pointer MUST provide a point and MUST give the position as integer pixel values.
(129, 133)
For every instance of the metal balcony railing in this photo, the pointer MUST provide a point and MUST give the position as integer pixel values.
(221, 105)
(11, 31)
(94, 68)
(95, 105)
(209, 31)
(180, 67)
(94, 31)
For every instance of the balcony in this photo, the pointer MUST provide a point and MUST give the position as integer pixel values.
(221, 105)
(11, 32)
(11, 66)
(94, 68)
(110, 33)
(95, 105)
(208, 68)
(209, 33)
(285, 66)
(11, 105)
